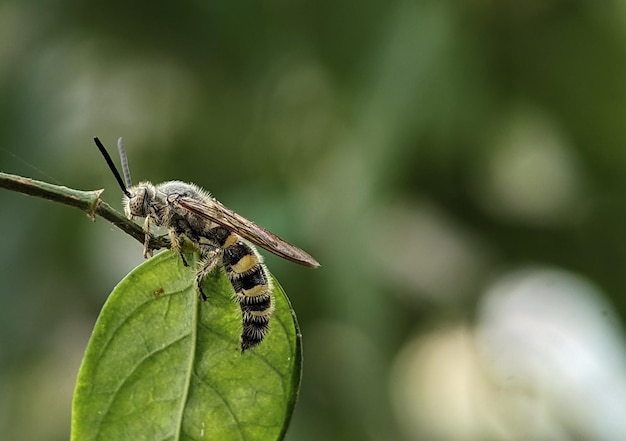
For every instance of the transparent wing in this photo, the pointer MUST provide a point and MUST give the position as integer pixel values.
(214, 211)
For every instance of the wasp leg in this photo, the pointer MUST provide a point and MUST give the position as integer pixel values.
(177, 239)
(253, 290)
(210, 258)
(147, 251)
(181, 231)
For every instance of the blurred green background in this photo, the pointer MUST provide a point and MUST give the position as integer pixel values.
(457, 167)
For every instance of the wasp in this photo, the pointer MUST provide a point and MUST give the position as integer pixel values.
(220, 236)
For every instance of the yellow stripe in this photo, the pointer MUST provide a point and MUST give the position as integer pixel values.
(230, 240)
(266, 313)
(258, 290)
(245, 263)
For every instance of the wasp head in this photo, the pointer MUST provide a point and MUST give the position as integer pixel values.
(138, 200)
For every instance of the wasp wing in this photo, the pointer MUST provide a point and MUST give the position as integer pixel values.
(214, 211)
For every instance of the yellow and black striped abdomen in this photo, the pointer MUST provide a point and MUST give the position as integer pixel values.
(253, 289)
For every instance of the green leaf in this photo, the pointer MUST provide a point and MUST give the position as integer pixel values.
(164, 365)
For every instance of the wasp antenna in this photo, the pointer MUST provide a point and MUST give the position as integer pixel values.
(125, 169)
(111, 166)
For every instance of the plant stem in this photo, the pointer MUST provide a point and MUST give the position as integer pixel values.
(87, 201)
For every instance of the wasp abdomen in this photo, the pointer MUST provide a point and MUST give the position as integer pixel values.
(253, 290)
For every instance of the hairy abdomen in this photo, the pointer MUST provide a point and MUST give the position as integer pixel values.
(253, 290)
